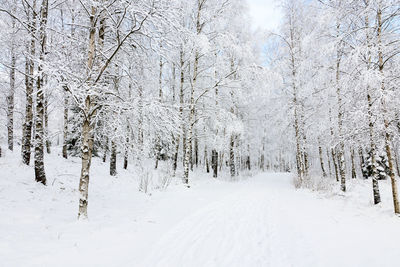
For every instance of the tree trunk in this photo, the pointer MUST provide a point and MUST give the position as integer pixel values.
(188, 152)
(206, 160)
(175, 163)
(392, 174)
(186, 161)
(386, 121)
(299, 158)
(181, 101)
(321, 160)
(65, 87)
(221, 160)
(65, 128)
(361, 156)
(237, 146)
(304, 147)
(214, 162)
(87, 149)
(126, 153)
(262, 158)
(335, 164)
(248, 163)
(126, 159)
(105, 149)
(353, 165)
(160, 97)
(191, 154)
(29, 70)
(340, 148)
(113, 159)
(375, 185)
(87, 126)
(46, 124)
(196, 151)
(10, 97)
(158, 152)
(192, 107)
(140, 124)
(177, 139)
(173, 82)
(396, 160)
(40, 175)
(232, 156)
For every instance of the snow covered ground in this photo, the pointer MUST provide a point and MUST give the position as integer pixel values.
(260, 221)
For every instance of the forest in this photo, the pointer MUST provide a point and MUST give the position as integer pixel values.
(149, 106)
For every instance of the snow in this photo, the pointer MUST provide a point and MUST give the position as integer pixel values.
(260, 221)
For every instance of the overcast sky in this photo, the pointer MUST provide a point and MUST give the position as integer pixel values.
(265, 13)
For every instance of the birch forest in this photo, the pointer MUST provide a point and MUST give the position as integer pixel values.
(182, 131)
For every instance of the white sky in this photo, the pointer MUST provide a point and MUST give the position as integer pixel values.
(265, 13)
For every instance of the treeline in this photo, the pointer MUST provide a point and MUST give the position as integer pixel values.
(176, 81)
(339, 67)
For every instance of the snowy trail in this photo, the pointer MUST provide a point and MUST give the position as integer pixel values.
(262, 221)
(239, 230)
(266, 222)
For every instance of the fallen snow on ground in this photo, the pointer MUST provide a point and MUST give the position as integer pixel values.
(261, 221)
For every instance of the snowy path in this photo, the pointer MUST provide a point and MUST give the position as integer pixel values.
(263, 221)
(267, 223)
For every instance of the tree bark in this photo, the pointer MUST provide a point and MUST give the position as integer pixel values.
(182, 101)
(126, 153)
(361, 156)
(177, 139)
(65, 87)
(186, 161)
(196, 151)
(237, 146)
(46, 123)
(87, 127)
(335, 164)
(29, 70)
(40, 175)
(105, 149)
(353, 165)
(214, 162)
(396, 160)
(232, 156)
(175, 159)
(10, 97)
(299, 158)
(206, 160)
(375, 185)
(140, 124)
(386, 121)
(221, 160)
(160, 97)
(113, 158)
(340, 148)
(262, 158)
(87, 149)
(321, 160)
(65, 127)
